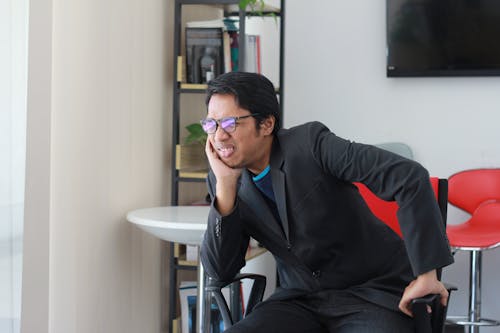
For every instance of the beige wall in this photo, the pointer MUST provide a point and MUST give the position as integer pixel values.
(99, 114)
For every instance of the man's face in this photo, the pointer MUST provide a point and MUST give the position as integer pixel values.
(245, 147)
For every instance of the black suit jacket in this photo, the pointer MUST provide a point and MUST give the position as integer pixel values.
(326, 237)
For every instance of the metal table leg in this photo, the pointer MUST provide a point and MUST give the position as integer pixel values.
(202, 302)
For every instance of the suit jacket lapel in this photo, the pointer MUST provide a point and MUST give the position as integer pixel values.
(249, 193)
(279, 186)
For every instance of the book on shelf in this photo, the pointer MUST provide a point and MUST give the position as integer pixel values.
(227, 23)
(181, 253)
(217, 23)
(234, 50)
(212, 48)
(226, 44)
(204, 54)
(188, 296)
(252, 54)
(191, 252)
(176, 325)
(232, 33)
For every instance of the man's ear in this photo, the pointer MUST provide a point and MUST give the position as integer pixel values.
(267, 125)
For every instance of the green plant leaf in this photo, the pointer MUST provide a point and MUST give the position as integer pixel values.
(196, 134)
(256, 8)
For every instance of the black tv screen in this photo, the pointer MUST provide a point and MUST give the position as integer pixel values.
(443, 38)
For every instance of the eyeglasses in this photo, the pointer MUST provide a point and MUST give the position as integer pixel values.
(228, 124)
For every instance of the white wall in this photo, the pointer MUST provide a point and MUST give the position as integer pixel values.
(98, 138)
(335, 73)
(268, 30)
(13, 86)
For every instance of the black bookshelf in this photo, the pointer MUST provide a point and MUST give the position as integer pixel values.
(176, 178)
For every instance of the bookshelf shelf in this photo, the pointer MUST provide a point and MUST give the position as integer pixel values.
(185, 174)
(189, 87)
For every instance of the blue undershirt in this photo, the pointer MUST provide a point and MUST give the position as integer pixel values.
(264, 183)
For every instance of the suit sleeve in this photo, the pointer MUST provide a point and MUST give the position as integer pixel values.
(391, 177)
(225, 241)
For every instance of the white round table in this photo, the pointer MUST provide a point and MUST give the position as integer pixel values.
(179, 224)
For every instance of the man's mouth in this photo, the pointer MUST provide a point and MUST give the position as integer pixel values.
(225, 151)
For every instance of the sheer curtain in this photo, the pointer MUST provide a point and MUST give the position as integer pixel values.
(13, 82)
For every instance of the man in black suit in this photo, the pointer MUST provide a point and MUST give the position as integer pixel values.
(340, 268)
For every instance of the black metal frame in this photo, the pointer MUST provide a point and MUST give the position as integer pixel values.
(231, 313)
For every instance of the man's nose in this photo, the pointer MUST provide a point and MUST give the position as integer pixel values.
(220, 133)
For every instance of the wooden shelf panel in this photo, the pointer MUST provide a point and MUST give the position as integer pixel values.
(193, 174)
(186, 87)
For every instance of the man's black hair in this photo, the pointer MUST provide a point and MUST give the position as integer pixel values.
(253, 92)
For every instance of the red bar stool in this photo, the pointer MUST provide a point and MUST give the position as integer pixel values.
(478, 193)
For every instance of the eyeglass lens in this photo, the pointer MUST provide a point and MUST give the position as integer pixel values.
(228, 124)
(210, 125)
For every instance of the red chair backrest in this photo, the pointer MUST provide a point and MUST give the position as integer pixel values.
(470, 188)
(386, 210)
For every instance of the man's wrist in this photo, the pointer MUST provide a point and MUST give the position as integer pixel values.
(225, 199)
(430, 275)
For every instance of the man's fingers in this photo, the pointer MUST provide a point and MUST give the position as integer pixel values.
(404, 306)
(444, 297)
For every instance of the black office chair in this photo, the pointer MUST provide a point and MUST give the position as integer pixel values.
(232, 313)
(425, 322)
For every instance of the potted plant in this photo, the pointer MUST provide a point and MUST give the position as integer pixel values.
(257, 6)
(190, 155)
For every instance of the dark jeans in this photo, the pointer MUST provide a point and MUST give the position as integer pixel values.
(323, 312)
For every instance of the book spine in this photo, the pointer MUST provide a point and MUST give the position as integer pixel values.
(227, 52)
(257, 54)
(234, 50)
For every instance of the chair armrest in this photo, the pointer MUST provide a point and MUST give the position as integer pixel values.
(221, 284)
(433, 322)
(256, 294)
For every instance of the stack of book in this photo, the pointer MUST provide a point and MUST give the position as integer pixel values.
(212, 48)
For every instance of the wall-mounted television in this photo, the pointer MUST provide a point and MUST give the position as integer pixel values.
(443, 38)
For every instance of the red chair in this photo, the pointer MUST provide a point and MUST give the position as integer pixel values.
(478, 193)
(386, 211)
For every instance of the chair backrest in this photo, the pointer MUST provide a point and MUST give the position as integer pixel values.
(469, 189)
(386, 210)
(398, 148)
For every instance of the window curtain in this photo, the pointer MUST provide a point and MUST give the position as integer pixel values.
(13, 83)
